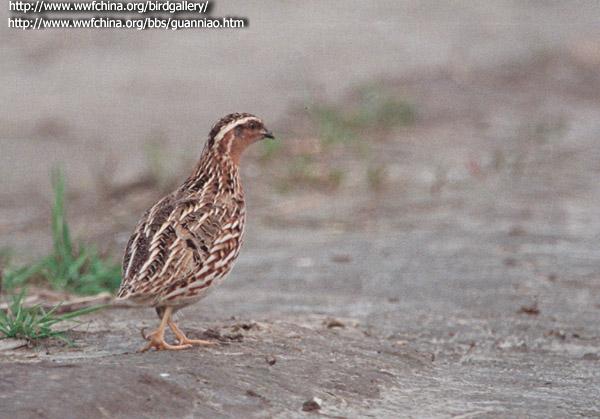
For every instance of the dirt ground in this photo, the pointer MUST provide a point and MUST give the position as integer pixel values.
(463, 283)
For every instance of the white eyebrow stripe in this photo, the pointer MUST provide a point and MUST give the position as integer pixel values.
(232, 125)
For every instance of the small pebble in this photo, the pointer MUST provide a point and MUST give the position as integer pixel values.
(331, 323)
(341, 258)
(312, 404)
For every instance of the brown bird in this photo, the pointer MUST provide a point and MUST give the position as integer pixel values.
(189, 240)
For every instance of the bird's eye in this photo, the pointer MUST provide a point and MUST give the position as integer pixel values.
(253, 125)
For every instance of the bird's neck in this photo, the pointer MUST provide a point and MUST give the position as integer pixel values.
(215, 168)
(212, 160)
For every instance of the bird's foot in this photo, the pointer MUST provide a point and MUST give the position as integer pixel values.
(184, 340)
(157, 341)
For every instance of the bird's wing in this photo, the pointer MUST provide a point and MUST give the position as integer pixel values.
(147, 247)
(212, 236)
(178, 244)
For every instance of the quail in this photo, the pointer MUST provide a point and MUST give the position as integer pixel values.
(188, 241)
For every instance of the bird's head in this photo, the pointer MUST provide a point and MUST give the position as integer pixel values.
(234, 133)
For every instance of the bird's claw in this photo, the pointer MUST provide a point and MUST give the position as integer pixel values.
(160, 344)
(145, 336)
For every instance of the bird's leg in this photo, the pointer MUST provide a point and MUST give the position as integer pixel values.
(183, 339)
(157, 338)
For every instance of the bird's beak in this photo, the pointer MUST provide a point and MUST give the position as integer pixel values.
(267, 134)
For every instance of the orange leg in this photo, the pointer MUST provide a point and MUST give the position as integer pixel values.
(184, 340)
(157, 338)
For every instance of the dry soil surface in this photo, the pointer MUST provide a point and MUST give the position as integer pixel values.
(466, 286)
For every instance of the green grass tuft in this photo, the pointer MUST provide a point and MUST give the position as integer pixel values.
(75, 268)
(35, 323)
(17, 277)
(372, 108)
(79, 269)
(377, 108)
(333, 125)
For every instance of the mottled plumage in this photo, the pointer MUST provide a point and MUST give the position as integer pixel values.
(187, 242)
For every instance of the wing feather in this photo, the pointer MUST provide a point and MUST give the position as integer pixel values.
(179, 247)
